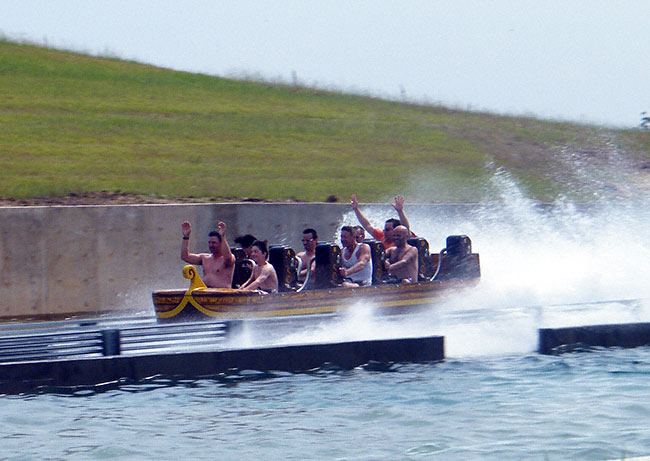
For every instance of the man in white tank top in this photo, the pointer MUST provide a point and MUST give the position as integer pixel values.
(355, 259)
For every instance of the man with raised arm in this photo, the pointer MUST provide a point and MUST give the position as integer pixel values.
(385, 236)
(219, 264)
(402, 259)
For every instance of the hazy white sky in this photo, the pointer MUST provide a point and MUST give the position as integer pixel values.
(582, 60)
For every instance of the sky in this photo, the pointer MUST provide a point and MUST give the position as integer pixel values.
(579, 60)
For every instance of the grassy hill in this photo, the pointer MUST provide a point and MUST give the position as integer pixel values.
(72, 123)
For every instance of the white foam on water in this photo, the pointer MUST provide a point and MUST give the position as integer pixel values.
(550, 267)
(541, 267)
(357, 322)
(564, 266)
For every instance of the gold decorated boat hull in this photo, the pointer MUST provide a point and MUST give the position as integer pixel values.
(218, 303)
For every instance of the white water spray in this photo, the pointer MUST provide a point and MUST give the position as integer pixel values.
(541, 266)
(550, 267)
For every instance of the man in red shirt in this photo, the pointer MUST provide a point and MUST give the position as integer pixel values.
(384, 236)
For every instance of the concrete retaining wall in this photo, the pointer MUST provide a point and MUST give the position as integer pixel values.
(58, 261)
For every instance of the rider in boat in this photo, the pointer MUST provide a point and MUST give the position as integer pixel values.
(309, 242)
(263, 277)
(219, 264)
(385, 236)
(402, 259)
(355, 260)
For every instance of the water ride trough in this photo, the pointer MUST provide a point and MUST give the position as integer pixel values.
(110, 351)
(453, 268)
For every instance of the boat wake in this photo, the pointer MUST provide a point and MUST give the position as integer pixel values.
(542, 267)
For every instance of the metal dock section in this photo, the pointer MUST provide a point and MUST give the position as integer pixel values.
(97, 339)
(69, 354)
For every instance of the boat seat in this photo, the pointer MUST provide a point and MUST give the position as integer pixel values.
(458, 262)
(328, 262)
(283, 260)
(378, 255)
(424, 261)
(243, 268)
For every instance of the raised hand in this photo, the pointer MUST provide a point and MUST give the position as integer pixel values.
(186, 229)
(354, 203)
(221, 228)
(399, 203)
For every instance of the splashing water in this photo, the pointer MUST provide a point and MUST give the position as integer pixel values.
(542, 266)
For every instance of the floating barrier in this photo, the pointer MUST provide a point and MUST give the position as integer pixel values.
(558, 340)
(89, 356)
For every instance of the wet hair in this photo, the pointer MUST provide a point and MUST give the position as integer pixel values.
(263, 246)
(394, 222)
(214, 233)
(361, 230)
(311, 231)
(245, 240)
(349, 229)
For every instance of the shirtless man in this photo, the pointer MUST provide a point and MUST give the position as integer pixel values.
(263, 277)
(309, 242)
(356, 260)
(219, 264)
(402, 259)
(385, 236)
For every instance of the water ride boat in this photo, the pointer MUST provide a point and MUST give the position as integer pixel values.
(453, 268)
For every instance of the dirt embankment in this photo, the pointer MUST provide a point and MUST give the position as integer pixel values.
(120, 198)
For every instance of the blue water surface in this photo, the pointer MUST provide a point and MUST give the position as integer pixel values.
(585, 405)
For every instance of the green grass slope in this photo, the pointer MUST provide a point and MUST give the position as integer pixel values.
(72, 123)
